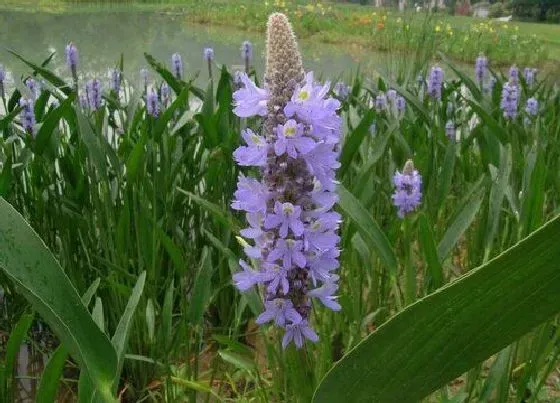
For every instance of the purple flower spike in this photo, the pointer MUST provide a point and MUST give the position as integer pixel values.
(208, 54)
(510, 95)
(381, 102)
(408, 189)
(152, 106)
(247, 51)
(177, 64)
(435, 82)
(480, 68)
(72, 57)
(532, 107)
(292, 236)
(400, 103)
(514, 75)
(115, 76)
(164, 94)
(93, 94)
(27, 115)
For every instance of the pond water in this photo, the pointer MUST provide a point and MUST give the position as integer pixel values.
(104, 33)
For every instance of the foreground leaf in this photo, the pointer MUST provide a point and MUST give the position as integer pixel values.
(440, 337)
(30, 265)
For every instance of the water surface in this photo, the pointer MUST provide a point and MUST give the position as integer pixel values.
(102, 35)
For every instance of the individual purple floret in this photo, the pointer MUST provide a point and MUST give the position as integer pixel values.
(435, 82)
(532, 107)
(27, 115)
(177, 65)
(510, 94)
(291, 140)
(530, 76)
(93, 93)
(408, 189)
(450, 130)
(254, 153)
(298, 333)
(514, 75)
(152, 105)
(115, 76)
(291, 241)
(250, 100)
(480, 68)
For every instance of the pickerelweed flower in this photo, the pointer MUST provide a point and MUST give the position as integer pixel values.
(115, 77)
(400, 104)
(391, 95)
(514, 75)
(291, 225)
(177, 65)
(72, 59)
(33, 86)
(27, 115)
(450, 130)
(530, 76)
(247, 54)
(435, 82)
(164, 94)
(510, 94)
(208, 54)
(83, 101)
(408, 189)
(480, 68)
(152, 106)
(93, 93)
(532, 107)
(381, 102)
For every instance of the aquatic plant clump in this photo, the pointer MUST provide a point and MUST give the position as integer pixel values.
(292, 244)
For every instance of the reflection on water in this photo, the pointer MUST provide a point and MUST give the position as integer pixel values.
(102, 36)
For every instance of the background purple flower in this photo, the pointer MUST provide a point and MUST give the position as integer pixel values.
(177, 65)
(435, 82)
(408, 189)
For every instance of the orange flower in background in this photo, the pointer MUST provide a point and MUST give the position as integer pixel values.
(380, 25)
